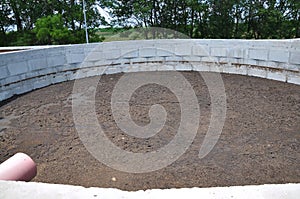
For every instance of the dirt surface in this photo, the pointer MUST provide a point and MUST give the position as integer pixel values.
(260, 142)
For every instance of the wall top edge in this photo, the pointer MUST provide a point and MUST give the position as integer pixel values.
(163, 40)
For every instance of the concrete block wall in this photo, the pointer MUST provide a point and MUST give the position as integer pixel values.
(37, 67)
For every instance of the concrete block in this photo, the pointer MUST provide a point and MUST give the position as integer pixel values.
(75, 49)
(138, 60)
(12, 79)
(85, 64)
(278, 76)
(165, 67)
(112, 70)
(224, 60)
(174, 59)
(92, 47)
(168, 46)
(295, 44)
(36, 54)
(201, 67)
(210, 59)
(147, 52)
(272, 64)
(164, 53)
(256, 72)
(27, 86)
(156, 59)
(55, 51)
(2, 82)
(31, 74)
(5, 95)
(264, 63)
(41, 82)
(104, 62)
(71, 76)
(130, 54)
(58, 60)
(68, 74)
(4, 59)
(183, 49)
(279, 55)
(46, 71)
(292, 67)
(183, 67)
(191, 58)
(152, 66)
(100, 70)
(91, 72)
(172, 63)
(36, 64)
(17, 68)
(110, 46)
(215, 68)
(21, 56)
(295, 57)
(128, 47)
(3, 72)
(251, 62)
(200, 50)
(125, 68)
(81, 74)
(94, 56)
(235, 60)
(237, 53)
(67, 67)
(261, 43)
(121, 62)
(218, 52)
(148, 67)
(258, 54)
(61, 77)
(111, 54)
(134, 68)
(233, 69)
(293, 78)
(19, 89)
(75, 58)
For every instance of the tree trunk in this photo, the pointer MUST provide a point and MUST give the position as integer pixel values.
(72, 16)
(192, 23)
(15, 9)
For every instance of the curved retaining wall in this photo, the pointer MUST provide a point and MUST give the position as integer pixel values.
(38, 67)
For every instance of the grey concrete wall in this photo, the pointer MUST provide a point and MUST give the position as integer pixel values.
(24, 71)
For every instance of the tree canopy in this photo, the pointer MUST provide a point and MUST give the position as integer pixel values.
(46, 21)
(38, 22)
(257, 19)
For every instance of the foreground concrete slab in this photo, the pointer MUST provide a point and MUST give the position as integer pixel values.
(11, 189)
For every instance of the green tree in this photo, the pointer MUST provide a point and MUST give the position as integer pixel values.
(212, 18)
(257, 19)
(51, 30)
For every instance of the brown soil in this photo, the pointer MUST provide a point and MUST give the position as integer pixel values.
(260, 142)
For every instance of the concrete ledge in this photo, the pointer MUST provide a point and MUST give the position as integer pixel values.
(11, 189)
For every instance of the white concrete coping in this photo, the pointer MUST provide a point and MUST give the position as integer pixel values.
(32, 190)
